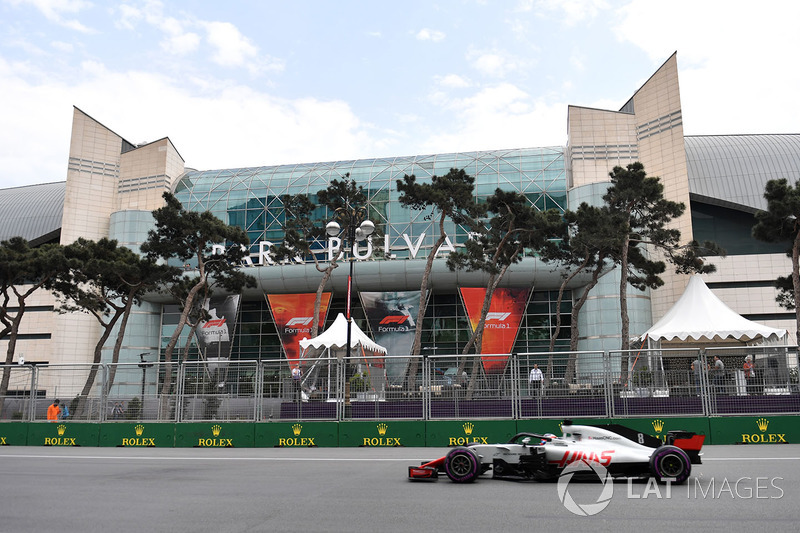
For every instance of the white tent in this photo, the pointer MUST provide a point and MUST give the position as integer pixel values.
(700, 316)
(335, 338)
(334, 341)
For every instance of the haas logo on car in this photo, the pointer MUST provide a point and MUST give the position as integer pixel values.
(571, 456)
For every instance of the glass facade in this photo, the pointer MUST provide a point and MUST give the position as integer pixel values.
(251, 199)
(445, 330)
(732, 229)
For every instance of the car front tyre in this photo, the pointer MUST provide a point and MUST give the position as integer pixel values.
(461, 465)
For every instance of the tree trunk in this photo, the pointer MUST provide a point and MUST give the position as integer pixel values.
(326, 275)
(569, 373)
(796, 283)
(623, 295)
(126, 313)
(416, 348)
(80, 409)
(166, 386)
(12, 344)
(560, 298)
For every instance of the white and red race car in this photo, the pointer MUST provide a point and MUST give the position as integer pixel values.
(622, 451)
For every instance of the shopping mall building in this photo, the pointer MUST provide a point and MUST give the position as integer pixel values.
(113, 185)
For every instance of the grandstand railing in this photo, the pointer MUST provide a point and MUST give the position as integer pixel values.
(664, 382)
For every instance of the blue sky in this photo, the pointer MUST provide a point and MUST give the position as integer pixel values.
(250, 83)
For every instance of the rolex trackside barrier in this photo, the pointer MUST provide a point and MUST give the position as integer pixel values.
(746, 430)
(635, 383)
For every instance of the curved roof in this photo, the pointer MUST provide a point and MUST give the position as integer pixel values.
(32, 212)
(733, 170)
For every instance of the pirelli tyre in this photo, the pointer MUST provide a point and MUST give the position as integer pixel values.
(670, 463)
(461, 465)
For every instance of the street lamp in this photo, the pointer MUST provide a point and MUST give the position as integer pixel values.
(144, 366)
(358, 228)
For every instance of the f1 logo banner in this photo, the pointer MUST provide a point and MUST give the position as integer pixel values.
(501, 325)
(293, 315)
(392, 321)
(214, 335)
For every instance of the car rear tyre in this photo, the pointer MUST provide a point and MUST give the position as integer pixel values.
(461, 465)
(670, 463)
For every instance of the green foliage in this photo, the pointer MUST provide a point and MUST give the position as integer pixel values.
(188, 235)
(359, 382)
(24, 270)
(638, 200)
(644, 217)
(448, 196)
(133, 411)
(642, 377)
(779, 223)
(515, 229)
(74, 404)
(104, 276)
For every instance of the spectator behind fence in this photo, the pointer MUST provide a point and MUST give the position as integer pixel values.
(54, 411)
(696, 367)
(535, 380)
(749, 375)
(719, 374)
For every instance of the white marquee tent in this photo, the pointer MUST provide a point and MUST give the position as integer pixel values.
(700, 316)
(334, 339)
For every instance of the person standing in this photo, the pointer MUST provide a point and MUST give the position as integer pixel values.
(719, 374)
(535, 380)
(749, 375)
(697, 368)
(54, 411)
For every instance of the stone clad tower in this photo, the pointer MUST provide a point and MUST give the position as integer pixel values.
(108, 179)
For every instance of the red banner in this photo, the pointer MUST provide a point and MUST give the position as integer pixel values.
(293, 315)
(501, 325)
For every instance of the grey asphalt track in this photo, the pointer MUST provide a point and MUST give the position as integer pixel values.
(738, 488)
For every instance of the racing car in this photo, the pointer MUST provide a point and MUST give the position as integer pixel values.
(623, 452)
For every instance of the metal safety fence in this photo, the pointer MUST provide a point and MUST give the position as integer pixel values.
(665, 382)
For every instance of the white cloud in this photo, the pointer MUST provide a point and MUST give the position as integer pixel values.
(453, 81)
(494, 63)
(728, 55)
(502, 116)
(181, 43)
(238, 126)
(232, 48)
(574, 11)
(62, 47)
(427, 34)
(128, 17)
(55, 11)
